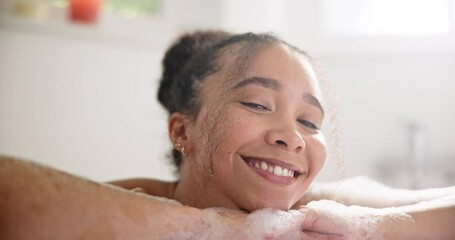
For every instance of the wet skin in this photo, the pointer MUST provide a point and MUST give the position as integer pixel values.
(268, 117)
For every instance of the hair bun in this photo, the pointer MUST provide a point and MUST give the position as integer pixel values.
(179, 54)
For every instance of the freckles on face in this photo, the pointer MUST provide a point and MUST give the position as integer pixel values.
(232, 130)
(262, 119)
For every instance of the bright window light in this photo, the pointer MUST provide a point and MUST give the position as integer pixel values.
(386, 17)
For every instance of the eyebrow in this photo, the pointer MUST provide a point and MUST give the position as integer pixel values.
(312, 100)
(264, 82)
(276, 86)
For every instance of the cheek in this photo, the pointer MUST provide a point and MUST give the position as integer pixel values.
(235, 132)
(240, 127)
(317, 153)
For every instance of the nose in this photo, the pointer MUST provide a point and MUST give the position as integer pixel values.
(287, 138)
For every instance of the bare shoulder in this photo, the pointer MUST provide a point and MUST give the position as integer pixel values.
(147, 185)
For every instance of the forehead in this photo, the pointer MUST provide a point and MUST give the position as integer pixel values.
(276, 61)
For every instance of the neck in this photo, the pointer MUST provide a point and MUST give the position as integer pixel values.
(187, 194)
(201, 194)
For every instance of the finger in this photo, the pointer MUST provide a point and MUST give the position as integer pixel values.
(321, 223)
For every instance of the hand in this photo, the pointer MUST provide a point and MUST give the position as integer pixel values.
(276, 224)
(319, 220)
(350, 222)
(263, 224)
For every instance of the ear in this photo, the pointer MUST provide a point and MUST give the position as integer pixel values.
(178, 128)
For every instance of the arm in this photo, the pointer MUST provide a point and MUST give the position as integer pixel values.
(366, 192)
(37, 202)
(41, 203)
(432, 219)
(148, 186)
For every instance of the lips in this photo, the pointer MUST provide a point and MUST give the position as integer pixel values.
(271, 166)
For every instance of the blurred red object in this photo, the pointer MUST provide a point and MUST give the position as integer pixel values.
(86, 11)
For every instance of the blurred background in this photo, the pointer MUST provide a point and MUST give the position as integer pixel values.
(78, 80)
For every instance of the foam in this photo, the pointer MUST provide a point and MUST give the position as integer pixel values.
(219, 223)
(350, 222)
(355, 222)
(275, 224)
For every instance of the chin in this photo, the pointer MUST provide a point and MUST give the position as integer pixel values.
(269, 203)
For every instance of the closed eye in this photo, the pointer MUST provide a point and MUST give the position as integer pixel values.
(255, 106)
(308, 124)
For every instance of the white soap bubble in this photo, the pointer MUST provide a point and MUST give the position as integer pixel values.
(324, 219)
(357, 223)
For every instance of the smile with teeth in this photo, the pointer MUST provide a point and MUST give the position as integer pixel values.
(273, 169)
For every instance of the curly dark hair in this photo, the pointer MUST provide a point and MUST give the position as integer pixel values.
(195, 56)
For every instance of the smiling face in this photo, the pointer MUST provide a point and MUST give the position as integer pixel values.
(258, 132)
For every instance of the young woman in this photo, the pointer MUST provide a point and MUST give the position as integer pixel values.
(245, 117)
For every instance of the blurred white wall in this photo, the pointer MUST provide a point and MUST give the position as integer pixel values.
(85, 107)
(84, 101)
